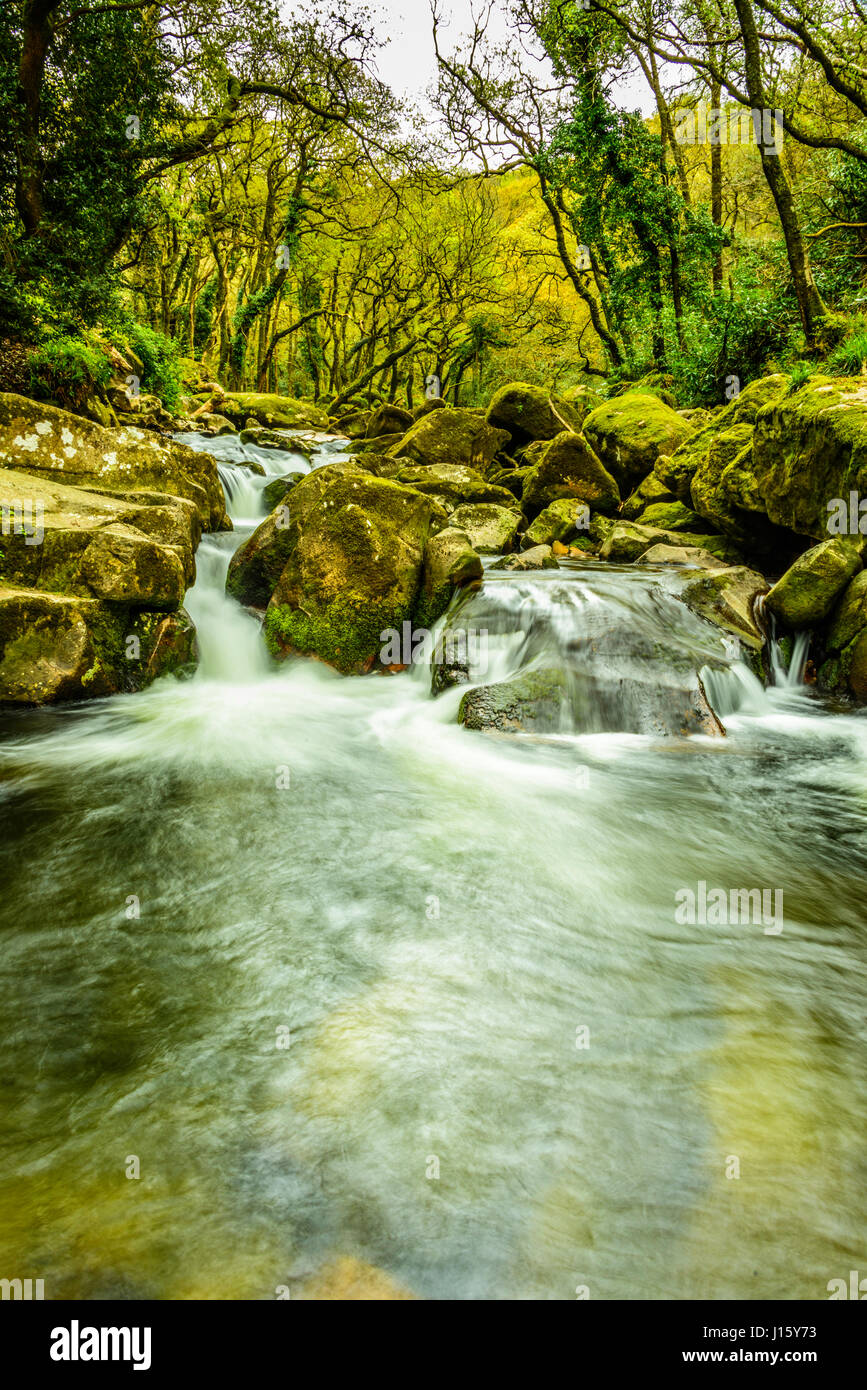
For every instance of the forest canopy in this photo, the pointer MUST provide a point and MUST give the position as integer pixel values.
(230, 191)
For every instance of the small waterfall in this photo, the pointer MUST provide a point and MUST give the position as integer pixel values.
(231, 647)
(620, 648)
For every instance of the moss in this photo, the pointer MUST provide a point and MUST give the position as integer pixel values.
(807, 592)
(671, 516)
(630, 432)
(346, 634)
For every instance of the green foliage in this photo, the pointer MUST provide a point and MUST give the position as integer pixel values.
(733, 338)
(161, 356)
(850, 358)
(68, 370)
(800, 375)
(98, 70)
(203, 314)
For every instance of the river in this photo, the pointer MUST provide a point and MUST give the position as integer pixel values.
(337, 977)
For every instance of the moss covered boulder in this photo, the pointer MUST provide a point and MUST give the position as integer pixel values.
(60, 647)
(569, 468)
(538, 557)
(662, 554)
(451, 436)
(728, 597)
(276, 412)
(530, 413)
(67, 540)
(730, 429)
(453, 484)
(844, 670)
(810, 588)
(627, 541)
(278, 489)
(450, 563)
(354, 566)
(492, 529)
(388, 419)
(673, 516)
(54, 445)
(650, 490)
(560, 521)
(810, 450)
(630, 432)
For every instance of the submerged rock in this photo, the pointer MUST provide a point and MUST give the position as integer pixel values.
(350, 1280)
(530, 703)
(808, 590)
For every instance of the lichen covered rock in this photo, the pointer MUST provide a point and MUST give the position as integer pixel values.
(353, 568)
(54, 445)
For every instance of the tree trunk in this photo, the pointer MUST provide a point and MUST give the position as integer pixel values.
(810, 304)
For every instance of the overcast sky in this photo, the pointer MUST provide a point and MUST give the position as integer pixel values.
(408, 65)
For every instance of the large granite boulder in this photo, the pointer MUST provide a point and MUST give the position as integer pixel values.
(630, 433)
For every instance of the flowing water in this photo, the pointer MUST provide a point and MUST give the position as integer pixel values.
(347, 979)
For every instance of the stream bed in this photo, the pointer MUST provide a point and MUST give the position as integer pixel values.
(349, 980)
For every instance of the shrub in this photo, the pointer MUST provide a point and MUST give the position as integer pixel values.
(161, 359)
(800, 375)
(850, 357)
(68, 370)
